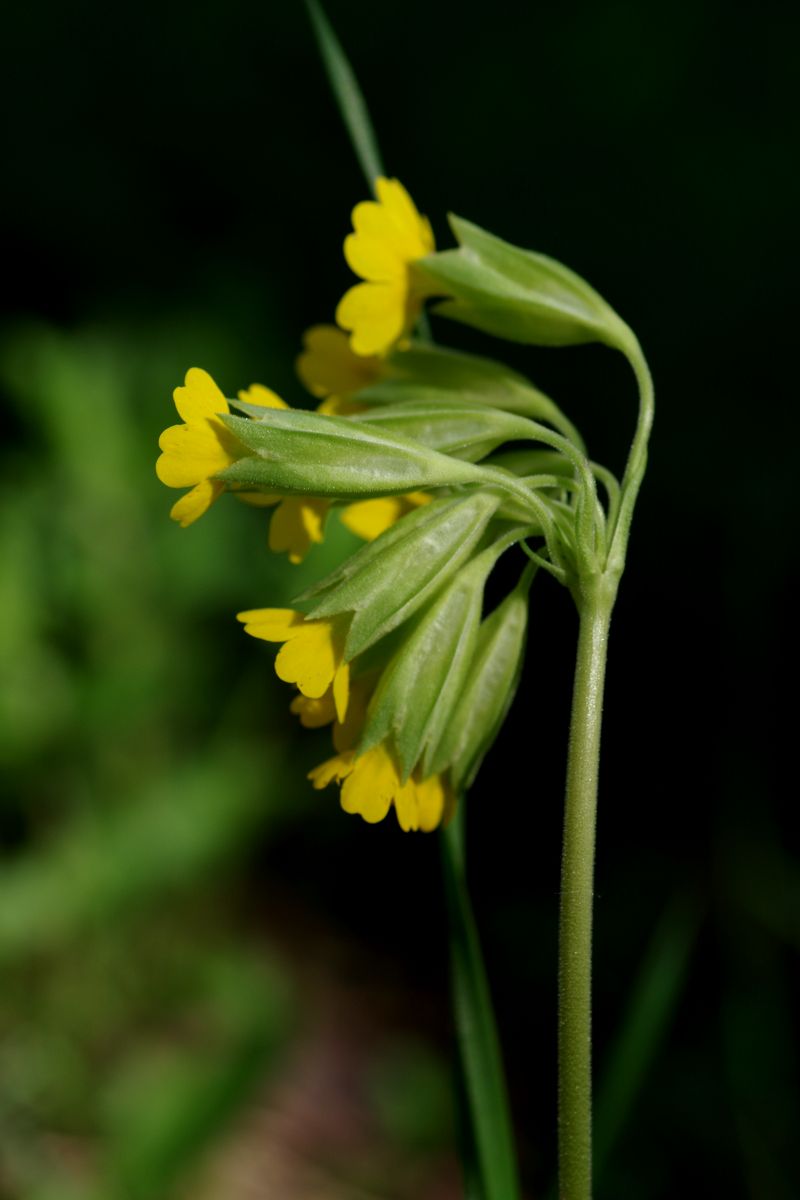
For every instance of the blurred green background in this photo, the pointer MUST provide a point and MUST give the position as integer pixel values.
(212, 982)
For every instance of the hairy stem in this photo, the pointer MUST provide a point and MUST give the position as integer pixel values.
(577, 895)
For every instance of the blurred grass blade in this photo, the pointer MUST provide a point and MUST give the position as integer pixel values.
(97, 868)
(348, 95)
(652, 1003)
(478, 1043)
(471, 1185)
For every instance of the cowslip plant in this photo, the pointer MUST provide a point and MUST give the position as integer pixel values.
(441, 462)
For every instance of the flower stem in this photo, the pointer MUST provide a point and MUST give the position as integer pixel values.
(494, 1160)
(577, 883)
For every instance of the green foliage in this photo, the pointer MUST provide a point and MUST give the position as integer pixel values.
(651, 1005)
(490, 1160)
(409, 1090)
(348, 95)
(119, 930)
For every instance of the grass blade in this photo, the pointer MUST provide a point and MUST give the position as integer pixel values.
(348, 95)
(652, 1003)
(477, 1036)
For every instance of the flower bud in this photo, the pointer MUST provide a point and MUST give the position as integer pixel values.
(518, 294)
(421, 686)
(489, 687)
(467, 431)
(301, 453)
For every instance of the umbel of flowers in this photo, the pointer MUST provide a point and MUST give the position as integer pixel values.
(441, 462)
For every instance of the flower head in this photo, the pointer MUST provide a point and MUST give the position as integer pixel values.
(371, 784)
(330, 370)
(389, 237)
(193, 453)
(312, 655)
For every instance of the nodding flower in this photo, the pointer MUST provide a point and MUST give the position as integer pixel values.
(389, 237)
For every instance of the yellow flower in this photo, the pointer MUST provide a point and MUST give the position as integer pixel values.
(390, 235)
(193, 453)
(332, 372)
(371, 784)
(314, 714)
(368, 519)
(312, 655)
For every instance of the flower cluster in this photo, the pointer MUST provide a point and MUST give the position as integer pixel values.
(440, 462)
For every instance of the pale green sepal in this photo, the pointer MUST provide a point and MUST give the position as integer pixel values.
(518, 294)
(254, 411)
(304, 453)
(487, 694)
(365, 554)
(522, 461)
(427, 371)
(399, 576)
(424, 371)
(466, 431)
(420, 688)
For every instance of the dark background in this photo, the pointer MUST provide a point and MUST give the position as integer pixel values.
(177, 187)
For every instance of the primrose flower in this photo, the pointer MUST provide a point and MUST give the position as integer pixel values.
(193, 453)
(312, 655)
(389, 237)
(371, 784)
(330, 370)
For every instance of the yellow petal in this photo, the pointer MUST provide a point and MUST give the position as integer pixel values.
(394, 220)
(296, 525)
(272, 624)
(376, 315)
(347, 733)
(401, 208)
(406, 806)
(314, 714)
(263, 396)
(372, 220)
(196, 502)
(368, 519)
(339, 406)
(432, 797)
(199, 397)
(310, 659)
(341, 691)
(374, 258)
(193, 452)
(328, 366)
(336, 768)
(371, 786)
(416, 499)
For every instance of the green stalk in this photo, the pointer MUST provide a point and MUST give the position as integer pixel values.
(577, 896)
(348, 95)
(478, 1043)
